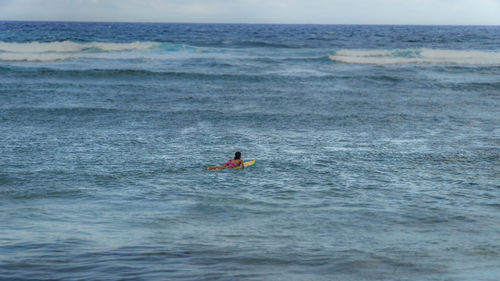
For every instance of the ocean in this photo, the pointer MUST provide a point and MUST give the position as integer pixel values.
(377, 147)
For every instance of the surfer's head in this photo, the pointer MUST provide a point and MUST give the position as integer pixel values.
(237, 155)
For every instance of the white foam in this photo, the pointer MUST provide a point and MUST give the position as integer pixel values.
(56, 51)
(31, 57)
(73, 47)
(415, 56)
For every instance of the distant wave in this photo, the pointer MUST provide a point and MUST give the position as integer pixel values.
(142, 73)
(55, 51)
(261, 44)
(127, 73)
(32, 57)
(73, 47)
(415, 56)
(69, 50)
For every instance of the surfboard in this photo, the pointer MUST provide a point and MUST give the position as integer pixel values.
(248, 163)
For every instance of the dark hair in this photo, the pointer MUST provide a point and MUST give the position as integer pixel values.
(237, 155)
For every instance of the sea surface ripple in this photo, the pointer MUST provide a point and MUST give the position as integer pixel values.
(378, 152)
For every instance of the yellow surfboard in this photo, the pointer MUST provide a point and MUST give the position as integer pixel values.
(248, 163)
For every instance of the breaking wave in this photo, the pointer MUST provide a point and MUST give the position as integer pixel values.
(73, 47)
(416, 56)
(56, 51)
(32, 57)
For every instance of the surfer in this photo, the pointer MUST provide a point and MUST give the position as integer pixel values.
(233, 163)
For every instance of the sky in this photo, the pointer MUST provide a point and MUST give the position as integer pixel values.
(420, 12)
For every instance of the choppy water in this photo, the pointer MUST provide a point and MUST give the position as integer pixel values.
(378, 152)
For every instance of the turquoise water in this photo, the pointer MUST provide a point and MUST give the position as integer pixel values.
(378, 152)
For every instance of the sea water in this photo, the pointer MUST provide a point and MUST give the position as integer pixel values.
(378, 152)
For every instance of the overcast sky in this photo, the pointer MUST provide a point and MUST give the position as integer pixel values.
(462, 12)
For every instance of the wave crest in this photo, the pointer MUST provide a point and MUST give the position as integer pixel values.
(73, 47)
(416, 56)
(63, 50)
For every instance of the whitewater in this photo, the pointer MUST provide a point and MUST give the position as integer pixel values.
(54, 51)
(413, 56)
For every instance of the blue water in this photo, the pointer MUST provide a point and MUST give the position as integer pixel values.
(378, 152)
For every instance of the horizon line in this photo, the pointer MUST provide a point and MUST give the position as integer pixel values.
(250, 23)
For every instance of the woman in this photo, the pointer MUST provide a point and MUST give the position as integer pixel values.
(231, 164)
